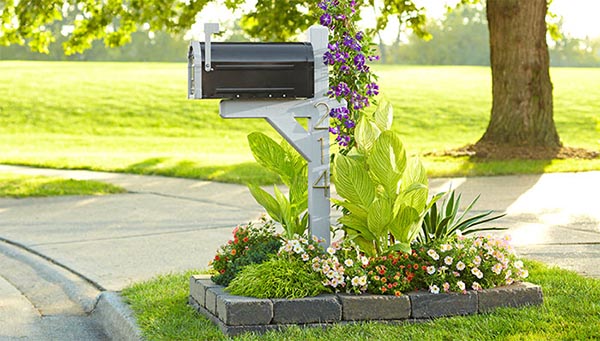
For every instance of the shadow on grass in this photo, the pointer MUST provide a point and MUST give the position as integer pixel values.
(241, 173)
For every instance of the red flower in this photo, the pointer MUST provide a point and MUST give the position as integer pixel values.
(397, 293)
(416, 266)
(245, 239)
(222, 271)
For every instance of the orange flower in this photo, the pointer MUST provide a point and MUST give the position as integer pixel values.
(233, 252)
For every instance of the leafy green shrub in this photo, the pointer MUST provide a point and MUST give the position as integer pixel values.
(279, 277)
(282, 159)
(385, 194)
(444, 222)
(250, 245)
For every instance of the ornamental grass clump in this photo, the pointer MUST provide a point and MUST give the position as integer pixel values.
(251, 244)
(342, 266)
(289, 274)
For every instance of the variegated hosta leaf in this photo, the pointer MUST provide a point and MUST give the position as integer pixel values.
(352, 182)
(366, 133)
(387, 162)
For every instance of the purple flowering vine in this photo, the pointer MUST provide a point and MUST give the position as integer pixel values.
(350, 78)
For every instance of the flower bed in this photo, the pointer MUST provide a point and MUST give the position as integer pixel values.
(239, 314)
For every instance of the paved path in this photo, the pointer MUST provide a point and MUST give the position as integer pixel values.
(168, 224)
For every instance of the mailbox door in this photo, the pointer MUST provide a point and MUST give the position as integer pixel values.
(259, 70)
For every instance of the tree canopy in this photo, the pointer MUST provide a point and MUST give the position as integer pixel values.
(82, 22)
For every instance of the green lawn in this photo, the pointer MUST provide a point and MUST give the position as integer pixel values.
(571, 311)
(134, 117)
(21, 186)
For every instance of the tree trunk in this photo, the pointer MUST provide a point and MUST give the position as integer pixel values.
(521, 87)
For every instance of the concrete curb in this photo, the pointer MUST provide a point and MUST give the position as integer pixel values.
(115, 317)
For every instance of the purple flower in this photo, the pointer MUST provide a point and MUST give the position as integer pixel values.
(326, 19)
(372, 58)
(333, 47)
(340, 17)
(323, 5)
(360, 35)
(359, 60)
(334, 130)
(345, 69)
(328, 58)
(349, 124)
(348, 40)
(341, 57)
(372, 89)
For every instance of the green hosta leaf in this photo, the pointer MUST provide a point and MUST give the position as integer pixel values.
(366, 133)
(414, 196)
(352, 182)
(387, 162)
(384, 115)
(299, 193)
(406, 224)
(295, 158)
(357, 224)
(379, 217)
(287, 220)
(404, 247)
(366, 245)
(272, 156)
(267, 201)
(414, 173)
(355, 210)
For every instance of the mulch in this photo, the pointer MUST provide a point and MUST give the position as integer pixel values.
(495, 152)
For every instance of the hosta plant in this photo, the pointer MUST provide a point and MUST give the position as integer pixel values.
(444, 221)
(385, 194)
(292, 211)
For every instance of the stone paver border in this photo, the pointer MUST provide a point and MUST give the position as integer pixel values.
(237, 314)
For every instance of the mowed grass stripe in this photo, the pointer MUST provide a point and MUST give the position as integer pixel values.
(135, 117)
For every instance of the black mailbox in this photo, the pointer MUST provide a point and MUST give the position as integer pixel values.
(251, 70)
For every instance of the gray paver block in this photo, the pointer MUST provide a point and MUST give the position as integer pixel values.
(516, 295)
(240, 310)
(198, 286)
(211, 298)
(323, 308)
(374, 307)
(427, 305)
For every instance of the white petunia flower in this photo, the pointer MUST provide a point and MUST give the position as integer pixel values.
(448, 260)
(434, 289)
(431, 269)
(461, 285)
(460, 266)
(433, 254)
(349, 262)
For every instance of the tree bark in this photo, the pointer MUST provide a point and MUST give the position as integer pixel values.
(522, 113)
